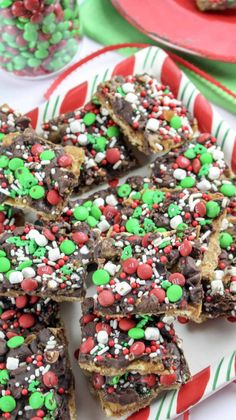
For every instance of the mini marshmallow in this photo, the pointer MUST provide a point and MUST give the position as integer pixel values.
(111, 200)
(16, 277)
(12, 363)
(33, 233)
(219, 274)
(82, 139)
(131, 97)
(102, 337)
(128, 87)
(176, 221)
(179, 174)
(111, 268)
(99, 157)
(217, 287)
(204, 185)
(152, 333)
(214, 173)
(52, 284)
(218, 154)
(41, 240)
(84, 250)
(28, 272)
(103, 226)
(152, 124)
(54, 254)
(75, 126)
(99, 202)
(232, 287)
(123, 288)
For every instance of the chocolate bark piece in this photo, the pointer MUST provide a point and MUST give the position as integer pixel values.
(147, 112)
(36, 376)
(144, 344)
(12, 121)
(212, 5)
(47, 261)
(138, 207)
(102, 209)
(107, 153)
(199, 164)
(132, 391)
(154, 274)
(24, 315)
(220, 290)
(36, 174)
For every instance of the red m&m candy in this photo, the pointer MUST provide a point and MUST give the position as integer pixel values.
(177, 278)
(130, 265)
(144, 271)
(106, 298)
(87, 345)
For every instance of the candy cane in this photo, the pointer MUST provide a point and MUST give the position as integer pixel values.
(202, 385)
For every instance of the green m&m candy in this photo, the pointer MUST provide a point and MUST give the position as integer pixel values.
(15, 342)
(5, 265)
(226, 240)
(47, 155)
(176, 122)
(132, 225)
(187, 182)
(100, 144)
(4, 161)
(37, 192)
(229, 190)
(124, 190)
(15, 163)
(174, 293)
(81, 213)
(190, 153)
(96, 212)
(136, 333)
(206, 158)
(36, 400)
(67, 247)
(147, 197)
(89, 118)
(4, 376)
(212, 209)
(100, 277)
(92, 222)
(50, 401)
(7, 404)
(113, 131)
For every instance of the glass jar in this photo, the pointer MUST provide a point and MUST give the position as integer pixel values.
(38, 37)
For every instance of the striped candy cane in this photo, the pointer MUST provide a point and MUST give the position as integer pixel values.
(204, 384)
(157, 63)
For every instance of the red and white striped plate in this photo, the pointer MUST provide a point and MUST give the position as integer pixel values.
(157, 63)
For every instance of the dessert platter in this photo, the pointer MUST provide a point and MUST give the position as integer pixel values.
(117, 244)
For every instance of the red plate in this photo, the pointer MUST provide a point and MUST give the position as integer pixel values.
(179, 24)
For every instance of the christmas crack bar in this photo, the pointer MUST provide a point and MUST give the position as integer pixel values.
(220, 290)
(107, 154)
(35, 377)
(122, 394)
(137, 206)
(147, 111)
(45, 261)
(154, 274)
(145, 344)
(199, 164)
(36, 174)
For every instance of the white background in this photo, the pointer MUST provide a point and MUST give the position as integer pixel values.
(203, 344)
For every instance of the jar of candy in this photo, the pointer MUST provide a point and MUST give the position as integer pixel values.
(38, 37)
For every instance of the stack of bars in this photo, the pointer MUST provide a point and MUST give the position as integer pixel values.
(155, 247)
